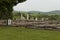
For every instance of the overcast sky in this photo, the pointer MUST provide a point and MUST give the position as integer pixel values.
(38, 5)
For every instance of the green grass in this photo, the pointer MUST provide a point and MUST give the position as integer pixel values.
(17, 33)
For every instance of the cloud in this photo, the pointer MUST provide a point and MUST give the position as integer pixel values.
(38, 5)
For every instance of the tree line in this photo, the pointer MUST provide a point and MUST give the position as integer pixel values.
(38, 16)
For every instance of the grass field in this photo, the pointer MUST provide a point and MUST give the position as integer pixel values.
(17, 33)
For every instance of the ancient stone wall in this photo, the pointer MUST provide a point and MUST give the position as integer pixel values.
(32, 24)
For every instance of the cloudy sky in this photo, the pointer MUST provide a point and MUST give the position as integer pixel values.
(38, 5)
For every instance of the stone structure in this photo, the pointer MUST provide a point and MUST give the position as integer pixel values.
(9, 21)
(27, 16)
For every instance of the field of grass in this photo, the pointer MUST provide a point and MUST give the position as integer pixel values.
(17, 33)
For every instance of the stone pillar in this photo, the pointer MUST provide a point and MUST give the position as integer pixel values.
(9, 21)
(21, 16)
(46, 18)
(27, 16)
(42, 19)
(36, 19)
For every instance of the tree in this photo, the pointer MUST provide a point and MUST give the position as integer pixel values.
(6, 8)
(16, 15)
(54, 17)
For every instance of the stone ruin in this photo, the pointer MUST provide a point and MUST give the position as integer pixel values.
(39, 24)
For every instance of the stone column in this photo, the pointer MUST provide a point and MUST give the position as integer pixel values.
(21, 16)
(42, 19)
(27, 16)
(9, 21)
(36, 19)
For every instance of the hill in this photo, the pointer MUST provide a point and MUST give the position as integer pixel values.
(51, 12)
(54, 12)
(39, 12)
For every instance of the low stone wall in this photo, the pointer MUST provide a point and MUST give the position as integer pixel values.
(36, 24)
(32, 24)
(3, 22)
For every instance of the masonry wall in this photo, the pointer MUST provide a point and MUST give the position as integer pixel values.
(33, 24)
